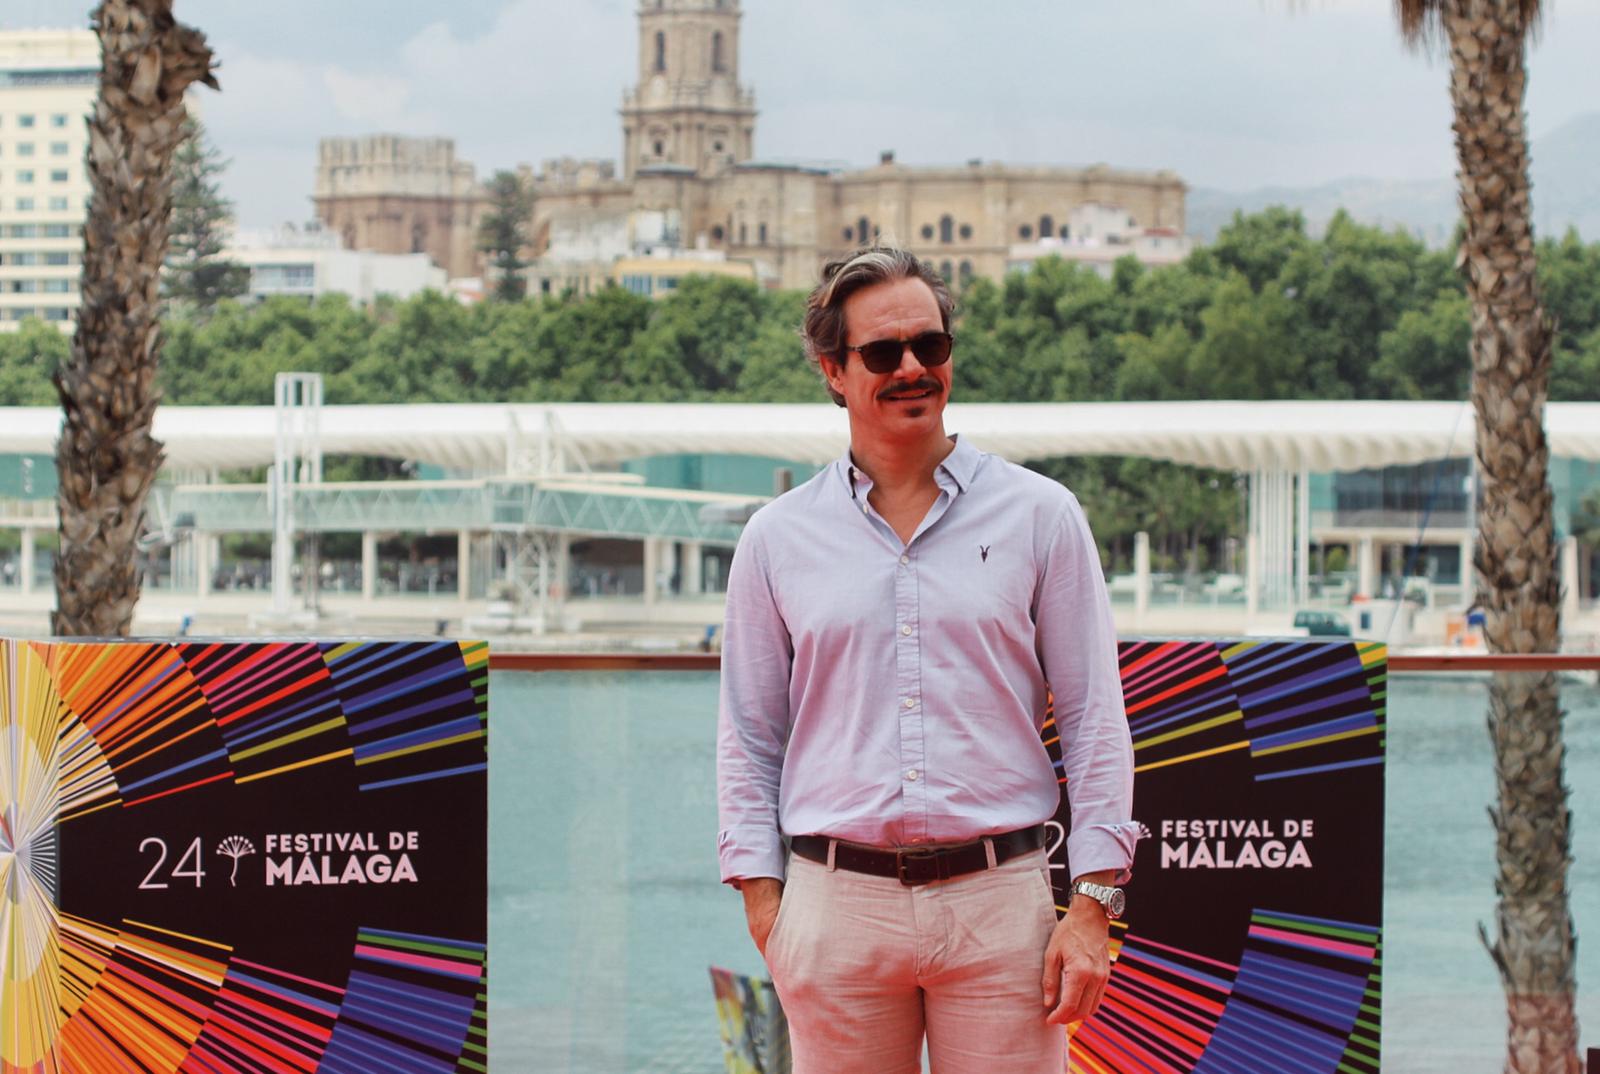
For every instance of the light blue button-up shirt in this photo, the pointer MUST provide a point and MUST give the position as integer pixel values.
(893, 694)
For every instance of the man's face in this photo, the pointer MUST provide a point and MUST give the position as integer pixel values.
(909, 401)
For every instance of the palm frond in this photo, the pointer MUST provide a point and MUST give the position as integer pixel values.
(1421, 21)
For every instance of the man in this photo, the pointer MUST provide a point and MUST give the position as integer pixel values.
(892, 628)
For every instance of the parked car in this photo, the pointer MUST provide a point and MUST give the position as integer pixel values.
(1316, 621)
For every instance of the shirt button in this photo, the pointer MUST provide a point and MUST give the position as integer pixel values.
(911, 776)
(906, 630)
(904, 560)
(910, 702)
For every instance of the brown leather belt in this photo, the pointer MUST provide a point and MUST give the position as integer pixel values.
(920, 865)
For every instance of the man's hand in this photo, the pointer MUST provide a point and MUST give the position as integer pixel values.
(1077, 962)
(762, 895)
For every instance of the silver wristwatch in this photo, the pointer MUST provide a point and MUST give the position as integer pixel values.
(1112, 900)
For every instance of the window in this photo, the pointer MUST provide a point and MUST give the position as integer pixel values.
(661, 51)
(927, 231)
(24, 205)
(849, 234)
(24, 149)
(58, 120)
(57, 313)
(283, 277)
(761, 234)
(57, 287)
(947, 228)
(1066, 231)
(668, 283)
(863, 229)
(743, 235)
(57, 231)
(638, 285)
(22, 287)
(1026, 231)
(660, 147)
(24, 121)
(25, 177)
(23, 259)
(945, 270)
(58, 175)
(58, 258)
(24, 231)
(966, 232)
(58, 205)
(716, 232)
(966, 271)
(718, 64)
(1047, 226)
(60, 149)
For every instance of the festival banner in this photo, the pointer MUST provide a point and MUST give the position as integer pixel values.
(1253, 935)
(232, 856)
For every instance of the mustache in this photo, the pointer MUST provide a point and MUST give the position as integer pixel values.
(916, 387)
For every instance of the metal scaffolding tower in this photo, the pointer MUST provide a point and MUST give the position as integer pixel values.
(297, 460)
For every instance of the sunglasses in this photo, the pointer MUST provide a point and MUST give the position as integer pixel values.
(884, 355)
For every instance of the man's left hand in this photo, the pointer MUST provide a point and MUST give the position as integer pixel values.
(1077, 962)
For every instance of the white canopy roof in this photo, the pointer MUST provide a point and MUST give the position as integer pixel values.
(478, 437)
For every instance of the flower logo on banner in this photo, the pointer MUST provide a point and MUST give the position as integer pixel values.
(235, 847)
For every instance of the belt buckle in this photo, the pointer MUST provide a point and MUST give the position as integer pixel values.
(901, 857)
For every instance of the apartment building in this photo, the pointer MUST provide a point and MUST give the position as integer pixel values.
(47, 88)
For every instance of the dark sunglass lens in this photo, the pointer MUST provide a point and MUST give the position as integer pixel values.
(882, 355)
(932, 348)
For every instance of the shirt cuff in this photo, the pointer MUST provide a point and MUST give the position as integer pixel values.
(748, 852)
(1099, 847)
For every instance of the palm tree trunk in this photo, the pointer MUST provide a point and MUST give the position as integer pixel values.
(106, 458)
(1533, 945)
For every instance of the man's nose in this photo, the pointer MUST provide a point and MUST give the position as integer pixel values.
(909, 365)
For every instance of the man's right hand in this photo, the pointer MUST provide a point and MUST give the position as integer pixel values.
(762, 894)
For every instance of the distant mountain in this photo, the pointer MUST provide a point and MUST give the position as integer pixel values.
(1566, 192)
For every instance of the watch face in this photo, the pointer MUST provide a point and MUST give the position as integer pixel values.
(1117, 903)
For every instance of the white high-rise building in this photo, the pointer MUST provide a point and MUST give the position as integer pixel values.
(47, 88)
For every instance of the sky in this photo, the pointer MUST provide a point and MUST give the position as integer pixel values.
(1235, 94)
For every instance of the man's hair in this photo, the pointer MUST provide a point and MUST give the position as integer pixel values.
(824, 329)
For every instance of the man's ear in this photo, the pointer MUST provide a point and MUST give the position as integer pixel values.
(833, 370)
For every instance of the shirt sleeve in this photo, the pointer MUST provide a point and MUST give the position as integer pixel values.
(752, 719)
(1077, 643)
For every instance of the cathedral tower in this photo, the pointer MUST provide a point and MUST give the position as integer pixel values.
(688, 109)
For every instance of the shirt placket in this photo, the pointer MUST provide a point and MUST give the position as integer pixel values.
(908, 689)
(908, 676)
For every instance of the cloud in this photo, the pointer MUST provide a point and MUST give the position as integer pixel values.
(377, 100)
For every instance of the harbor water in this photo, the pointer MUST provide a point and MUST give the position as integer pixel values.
(605, 911)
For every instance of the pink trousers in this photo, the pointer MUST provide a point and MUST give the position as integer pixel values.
(865, 967)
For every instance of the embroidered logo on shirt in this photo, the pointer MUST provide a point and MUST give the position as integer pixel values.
(983, 550)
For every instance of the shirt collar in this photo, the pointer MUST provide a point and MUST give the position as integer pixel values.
(959, 467)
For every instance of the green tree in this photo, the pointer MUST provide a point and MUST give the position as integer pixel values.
(503, 234)
(694, 344)
(197, 275)
(29, 357)
(1259, 245)
(1246, 346)
(1426, 354)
